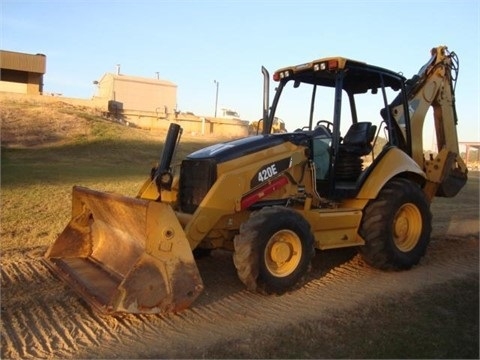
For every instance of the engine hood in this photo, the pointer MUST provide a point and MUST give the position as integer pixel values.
(237, 148)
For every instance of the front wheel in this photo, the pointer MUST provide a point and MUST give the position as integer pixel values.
(273, 250)
(396, 226)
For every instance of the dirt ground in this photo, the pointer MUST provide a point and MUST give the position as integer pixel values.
(42, 318)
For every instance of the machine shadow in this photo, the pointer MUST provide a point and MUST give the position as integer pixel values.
(221, 281)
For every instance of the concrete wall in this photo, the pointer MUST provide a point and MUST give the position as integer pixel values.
(191, 124)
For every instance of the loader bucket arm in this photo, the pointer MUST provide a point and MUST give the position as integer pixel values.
(125, 254)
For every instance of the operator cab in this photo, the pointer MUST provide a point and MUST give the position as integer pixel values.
(350, 95)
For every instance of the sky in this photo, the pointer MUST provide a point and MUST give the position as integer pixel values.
(195, 43)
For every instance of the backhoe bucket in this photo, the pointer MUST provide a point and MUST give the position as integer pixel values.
(125, 254)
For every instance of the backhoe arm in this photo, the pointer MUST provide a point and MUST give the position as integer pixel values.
(433, 87)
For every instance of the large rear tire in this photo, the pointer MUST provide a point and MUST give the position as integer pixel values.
(396, 226)
(273, 250)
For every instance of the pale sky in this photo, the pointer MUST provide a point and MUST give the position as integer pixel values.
(193, 43)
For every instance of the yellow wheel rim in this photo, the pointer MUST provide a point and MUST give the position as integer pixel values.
(283, 253)
(407, 227)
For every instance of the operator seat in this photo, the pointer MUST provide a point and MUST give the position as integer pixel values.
(358, 139)
(356, 143)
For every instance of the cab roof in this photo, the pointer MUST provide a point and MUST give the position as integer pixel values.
(358, 76)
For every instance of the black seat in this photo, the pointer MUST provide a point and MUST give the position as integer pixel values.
(356, 143)
(358, 140)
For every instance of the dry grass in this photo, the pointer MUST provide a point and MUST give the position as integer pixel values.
(27, 124)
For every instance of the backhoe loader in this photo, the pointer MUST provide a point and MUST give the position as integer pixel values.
(359, 179)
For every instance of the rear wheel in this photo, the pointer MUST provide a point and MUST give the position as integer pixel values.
(273, 250)
(396, 226)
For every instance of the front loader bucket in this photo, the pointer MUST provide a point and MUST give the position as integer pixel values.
(125, 254)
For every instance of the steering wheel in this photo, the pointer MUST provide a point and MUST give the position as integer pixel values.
(327, 124)
(305, 128)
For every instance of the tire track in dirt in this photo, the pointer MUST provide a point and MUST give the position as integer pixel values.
(36, 321)
(12, 341)
(51, 317)
(26, 271)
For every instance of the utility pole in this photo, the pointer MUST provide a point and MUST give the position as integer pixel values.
(216, 96)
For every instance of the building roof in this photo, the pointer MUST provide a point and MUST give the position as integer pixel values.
(12, 60)
(138, 79)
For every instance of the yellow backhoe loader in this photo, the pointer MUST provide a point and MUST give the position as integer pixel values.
(357, 179)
